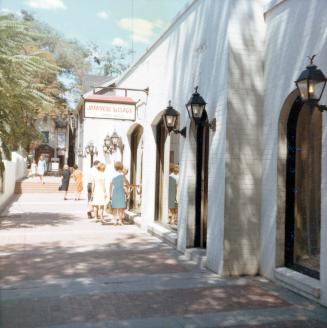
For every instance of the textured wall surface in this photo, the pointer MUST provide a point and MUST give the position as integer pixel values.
(14, 170)
(295, 29)
(217, 45)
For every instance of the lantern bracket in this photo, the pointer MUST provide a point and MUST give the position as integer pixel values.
(182, 132)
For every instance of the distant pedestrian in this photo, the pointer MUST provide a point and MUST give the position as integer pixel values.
(41, 168)
(117, 193)
(127, 190)
(90, 176)
(172, 193)
(78, 177)
(65, 180)
(99, 195)
(33, 168)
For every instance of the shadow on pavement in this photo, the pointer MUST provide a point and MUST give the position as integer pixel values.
(33, 219)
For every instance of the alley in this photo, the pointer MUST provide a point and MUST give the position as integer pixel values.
(60, 269)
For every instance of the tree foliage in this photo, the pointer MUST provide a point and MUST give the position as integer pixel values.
(40, 72)
(24, 70)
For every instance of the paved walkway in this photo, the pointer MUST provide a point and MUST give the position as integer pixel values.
(62, 270)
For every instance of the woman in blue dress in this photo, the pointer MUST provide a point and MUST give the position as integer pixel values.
(117, 193)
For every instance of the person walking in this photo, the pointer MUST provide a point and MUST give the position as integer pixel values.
(172, 193)
(65, 180)
(78, 177)
(117, 193)
(99, 195)
(41, 168)
(90, 176)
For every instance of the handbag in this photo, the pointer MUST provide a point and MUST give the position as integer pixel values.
(109, 208)
(60, 187)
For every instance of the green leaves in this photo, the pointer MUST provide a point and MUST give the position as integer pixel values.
(25, 73)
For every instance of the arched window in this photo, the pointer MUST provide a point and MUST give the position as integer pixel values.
(303, 189)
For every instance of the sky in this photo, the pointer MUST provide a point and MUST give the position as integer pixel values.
(104, 22)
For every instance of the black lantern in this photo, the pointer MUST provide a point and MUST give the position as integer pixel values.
(196, 106)
(107, 140)
(115, 139)
(107, 144)
(170, 117)
(311, 83)
(80, 152)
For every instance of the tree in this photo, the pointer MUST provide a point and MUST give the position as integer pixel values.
(111, 62)
(23, 95)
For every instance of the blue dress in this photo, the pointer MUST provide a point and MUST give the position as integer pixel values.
(118, 192)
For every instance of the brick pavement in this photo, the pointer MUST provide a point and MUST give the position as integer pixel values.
(61, 270)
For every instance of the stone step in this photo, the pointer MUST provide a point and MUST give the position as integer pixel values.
(22, 187)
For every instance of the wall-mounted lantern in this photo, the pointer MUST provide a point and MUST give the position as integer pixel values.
(170, 117)
(112, 143)
(107, 146)
(117, 142)
(311, 84)
(196, 107)
(80, 152)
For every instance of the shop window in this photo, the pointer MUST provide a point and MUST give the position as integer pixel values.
(135, 195)
(303, 190)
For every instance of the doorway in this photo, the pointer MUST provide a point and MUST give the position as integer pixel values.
(201, 192)
(303, 190)
(136, 169)
(161, 136)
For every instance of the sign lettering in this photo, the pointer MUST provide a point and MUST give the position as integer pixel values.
(110, 110)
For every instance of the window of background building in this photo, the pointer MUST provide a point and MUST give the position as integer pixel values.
(61, 140)
(45, 136)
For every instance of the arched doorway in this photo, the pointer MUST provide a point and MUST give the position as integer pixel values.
(167, 176)
(136, 143)
(303, 189)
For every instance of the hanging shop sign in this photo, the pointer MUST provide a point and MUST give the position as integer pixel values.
(110, 110)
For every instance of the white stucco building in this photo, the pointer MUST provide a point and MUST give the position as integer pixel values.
(244, 56)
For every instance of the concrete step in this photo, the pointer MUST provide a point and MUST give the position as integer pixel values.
(37, 187)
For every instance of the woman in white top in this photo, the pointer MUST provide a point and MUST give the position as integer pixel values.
(41, 167)
(99, 195)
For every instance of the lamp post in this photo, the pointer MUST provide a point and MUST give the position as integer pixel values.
(311, 84)
(107, 145)
(196, 108)
(91, 150)
(170, 118)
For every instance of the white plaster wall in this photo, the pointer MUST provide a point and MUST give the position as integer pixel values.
(295, 29)
(246, 35)
(195, 51)
(14, 170)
